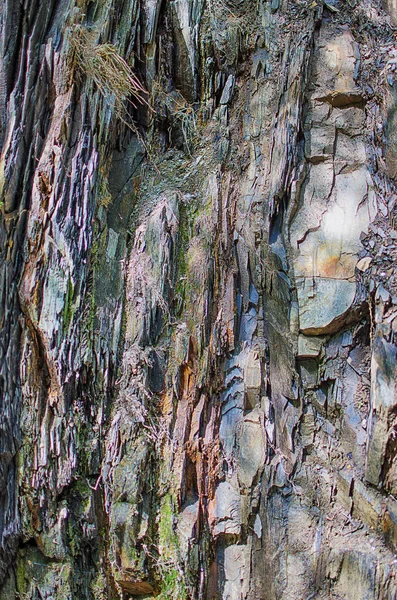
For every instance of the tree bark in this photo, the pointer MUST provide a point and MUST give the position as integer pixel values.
(198, 309)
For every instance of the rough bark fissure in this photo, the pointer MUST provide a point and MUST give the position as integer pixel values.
(198, 304)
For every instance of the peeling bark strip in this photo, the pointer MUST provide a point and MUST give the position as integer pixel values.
(199, 302)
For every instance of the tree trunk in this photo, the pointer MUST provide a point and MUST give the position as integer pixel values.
(199, 299)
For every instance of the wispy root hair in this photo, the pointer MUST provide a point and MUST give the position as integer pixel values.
(109, 71)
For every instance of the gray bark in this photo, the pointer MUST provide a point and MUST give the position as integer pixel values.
(198, 309)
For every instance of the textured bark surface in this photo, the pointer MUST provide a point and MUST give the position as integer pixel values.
(199, 302)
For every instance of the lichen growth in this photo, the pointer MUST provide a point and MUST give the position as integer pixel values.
(98, 588)
(173, 586)
(104, 196)
(68, 309)
(171, 575)
(21, 576)
(168, 540)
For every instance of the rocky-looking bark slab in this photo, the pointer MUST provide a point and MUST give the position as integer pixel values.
(199, 299)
